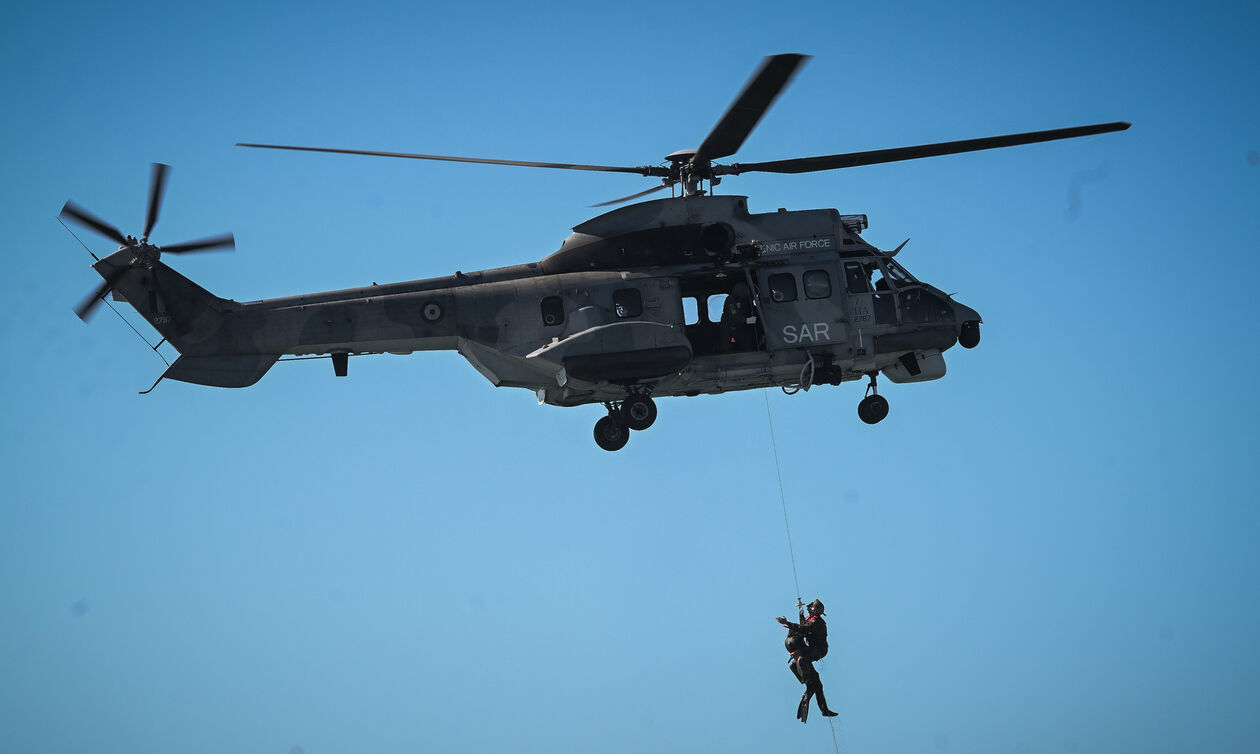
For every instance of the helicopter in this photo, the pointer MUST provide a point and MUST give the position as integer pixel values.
(680, 296)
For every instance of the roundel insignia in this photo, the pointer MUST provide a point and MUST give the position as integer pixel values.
(432, 311)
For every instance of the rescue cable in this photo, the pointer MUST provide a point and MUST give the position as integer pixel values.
(788, 529)
(782, 499)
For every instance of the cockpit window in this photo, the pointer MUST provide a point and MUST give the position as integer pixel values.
(855, 278)
(878, 281)
(897, 272)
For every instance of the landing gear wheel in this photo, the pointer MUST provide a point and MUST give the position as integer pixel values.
(873, 409)
(638, 412)
(611, 434)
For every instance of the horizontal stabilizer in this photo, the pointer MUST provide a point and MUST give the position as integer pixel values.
(222, 371)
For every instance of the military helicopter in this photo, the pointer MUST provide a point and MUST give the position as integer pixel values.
(669, 297)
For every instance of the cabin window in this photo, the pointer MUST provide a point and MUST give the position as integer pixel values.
(691, 310)
(552, 311)
(627, 302)
(817, 284)
(714, 305)
(855, 278)
(782, 287)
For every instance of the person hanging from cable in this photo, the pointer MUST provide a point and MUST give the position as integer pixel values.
(807, 643)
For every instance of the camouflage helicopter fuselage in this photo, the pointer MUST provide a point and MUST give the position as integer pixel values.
(679, 296)
(605, 315)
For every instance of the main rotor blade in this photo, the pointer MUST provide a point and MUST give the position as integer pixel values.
(855, 159)
(77, 214)
(157, 186)
(86, 307)
(224, 241)
(744, 113)
(648, 170)
(632, 196)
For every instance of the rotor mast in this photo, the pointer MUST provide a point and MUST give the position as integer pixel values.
(683, 170)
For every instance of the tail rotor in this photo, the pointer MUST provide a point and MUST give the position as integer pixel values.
(143, 253)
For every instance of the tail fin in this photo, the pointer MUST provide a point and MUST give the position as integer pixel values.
(196, 322)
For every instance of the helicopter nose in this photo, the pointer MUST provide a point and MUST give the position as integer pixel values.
(968, 321)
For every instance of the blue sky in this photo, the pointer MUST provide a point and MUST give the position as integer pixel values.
(1049, 550)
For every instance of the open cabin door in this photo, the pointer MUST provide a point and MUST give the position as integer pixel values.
(719, 314)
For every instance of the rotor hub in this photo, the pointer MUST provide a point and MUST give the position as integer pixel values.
(144, 252)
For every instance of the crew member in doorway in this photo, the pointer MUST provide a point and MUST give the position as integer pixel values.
(807, 643)
(733, 330)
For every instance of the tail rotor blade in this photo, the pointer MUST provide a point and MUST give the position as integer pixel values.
(224, 241)
(87, 307)
(76, 214)
(157, 186)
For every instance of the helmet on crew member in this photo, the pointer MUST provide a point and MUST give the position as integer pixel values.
(815, 608)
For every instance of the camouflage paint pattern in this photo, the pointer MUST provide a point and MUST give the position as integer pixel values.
(616, 291)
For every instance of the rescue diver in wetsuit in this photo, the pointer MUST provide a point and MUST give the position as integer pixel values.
(807, 642)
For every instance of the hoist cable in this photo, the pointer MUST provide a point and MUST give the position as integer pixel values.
(782, 497)
(778, 470)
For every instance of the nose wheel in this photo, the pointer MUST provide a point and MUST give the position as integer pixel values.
(874, 407)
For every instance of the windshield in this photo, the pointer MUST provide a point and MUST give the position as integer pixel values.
(898, 273)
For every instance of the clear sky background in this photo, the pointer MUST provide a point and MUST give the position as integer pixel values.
(1050, 550)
